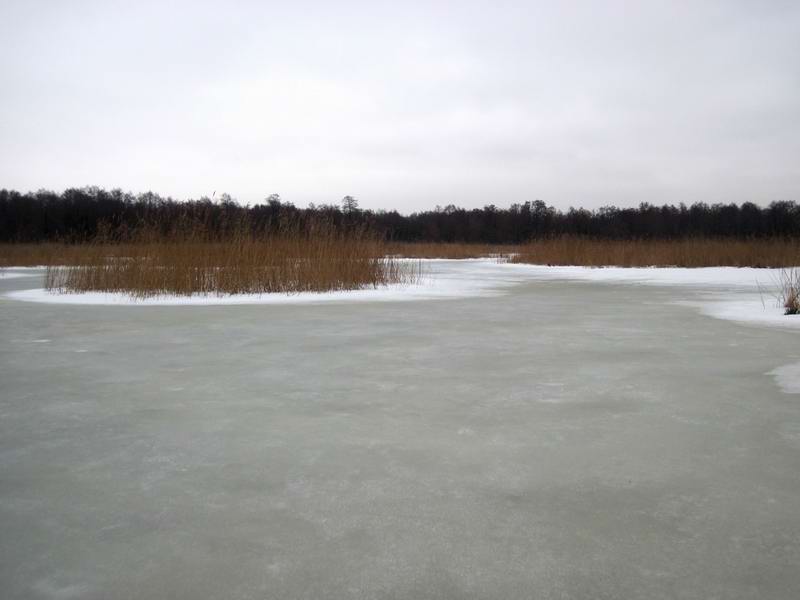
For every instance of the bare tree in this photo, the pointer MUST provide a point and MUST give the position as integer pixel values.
(349, 205)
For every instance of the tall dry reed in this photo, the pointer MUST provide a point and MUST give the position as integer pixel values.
(189, 261)
(789, 290)
(661, 253)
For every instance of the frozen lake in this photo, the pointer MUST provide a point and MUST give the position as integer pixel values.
(503, 434)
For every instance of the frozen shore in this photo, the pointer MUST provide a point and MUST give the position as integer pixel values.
(745, 295)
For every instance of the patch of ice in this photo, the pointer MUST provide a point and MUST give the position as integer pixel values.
(47, 588)
(16, 274)
(788, 378)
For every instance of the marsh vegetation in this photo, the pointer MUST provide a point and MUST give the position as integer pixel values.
(190, 260)
(692, 252)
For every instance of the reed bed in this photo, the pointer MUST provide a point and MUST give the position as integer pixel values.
(661, 253)
(319, 260)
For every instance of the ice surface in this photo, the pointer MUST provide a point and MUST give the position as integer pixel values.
(528, 437)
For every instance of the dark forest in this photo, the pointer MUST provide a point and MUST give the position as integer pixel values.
(79, 214)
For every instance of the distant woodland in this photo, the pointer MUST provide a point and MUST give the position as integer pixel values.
(82, 214)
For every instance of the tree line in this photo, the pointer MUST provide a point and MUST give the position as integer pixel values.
(80, 214)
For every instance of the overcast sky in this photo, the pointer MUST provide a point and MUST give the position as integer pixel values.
(405, 104)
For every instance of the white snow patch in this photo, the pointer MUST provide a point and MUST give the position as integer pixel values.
(16, 273)
(746, 308)
(705, 277)
(788, 378)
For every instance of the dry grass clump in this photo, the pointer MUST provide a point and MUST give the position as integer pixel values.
(661, 253)
(448, 250)
(319, 259)
(790, 290)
